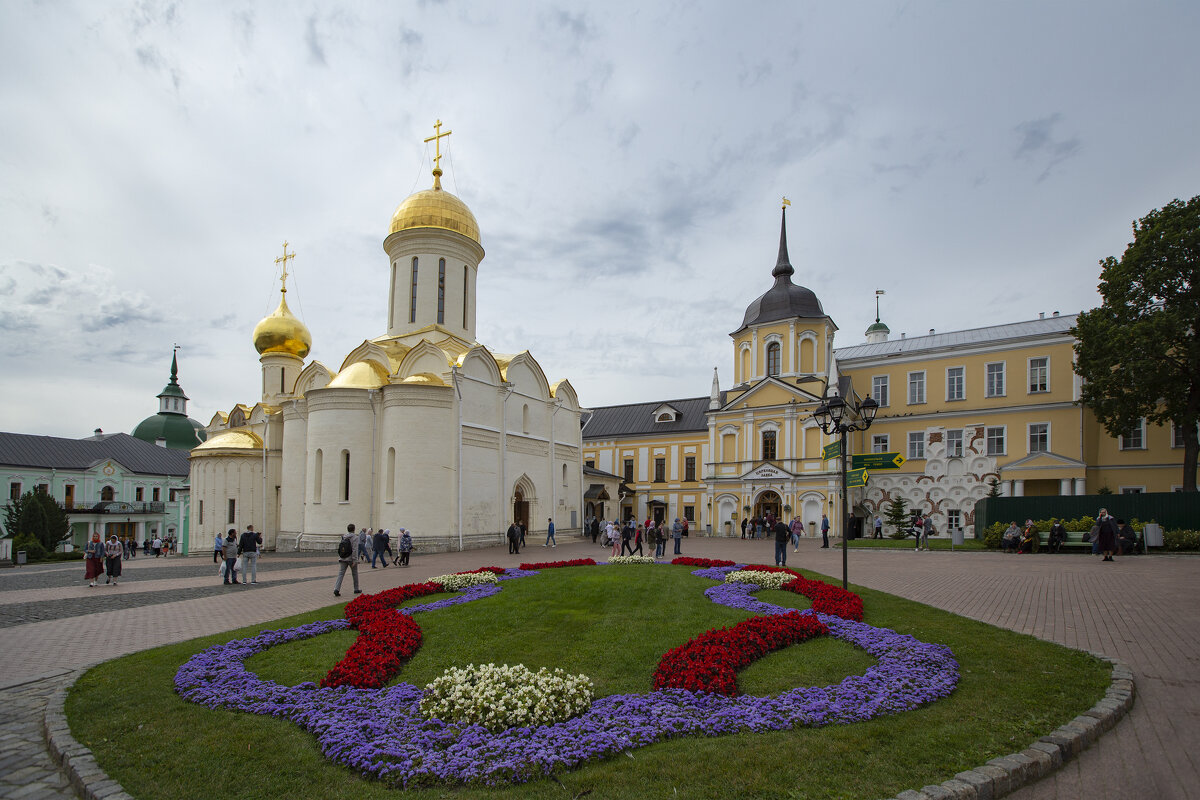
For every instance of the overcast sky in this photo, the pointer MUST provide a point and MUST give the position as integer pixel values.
(625, 161)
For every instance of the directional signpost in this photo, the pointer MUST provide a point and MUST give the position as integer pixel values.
(877, 461)
(831, 451)
(857, 477)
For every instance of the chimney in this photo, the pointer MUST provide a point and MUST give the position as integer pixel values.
(931, 331)
(161, 441)
(97, 432)
(1056, 313)
(1041, 315)
(901, 335)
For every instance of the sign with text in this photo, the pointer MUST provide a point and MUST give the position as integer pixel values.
(831, 451)
(877, 461)
(857, 477)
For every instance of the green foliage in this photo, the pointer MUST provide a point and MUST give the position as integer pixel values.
(1139, 352)
(37, 515)
(1104, 490)
(32, 547)
(991, 536)
(1181, 540)
(993, 487)
(898, 518)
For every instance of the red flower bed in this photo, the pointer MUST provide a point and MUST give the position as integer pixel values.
(493, 570)
(710, 662)
(704, 563)
(575, 562)
(827, 598)
(386, 638)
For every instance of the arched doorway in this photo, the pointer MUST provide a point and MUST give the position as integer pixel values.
(521, 509)
(768, 502)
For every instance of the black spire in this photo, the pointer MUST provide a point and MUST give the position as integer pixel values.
(783, 267)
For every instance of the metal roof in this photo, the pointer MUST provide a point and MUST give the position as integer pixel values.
(1049, 326)
(638, 418)
(52, 452)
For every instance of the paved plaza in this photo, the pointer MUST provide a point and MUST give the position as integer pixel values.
(1142, 610)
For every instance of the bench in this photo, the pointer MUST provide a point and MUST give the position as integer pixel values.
(1074, 540)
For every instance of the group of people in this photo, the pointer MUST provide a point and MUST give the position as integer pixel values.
(103, 558)
(758, 527)
(369, 545)
(627, 538)
(1109, 537)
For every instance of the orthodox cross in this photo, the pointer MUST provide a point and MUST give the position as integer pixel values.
(283, 259)
(786, 203)
(437, 143)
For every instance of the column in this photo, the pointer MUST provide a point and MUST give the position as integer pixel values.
(1080, 486)
(1064, 486)
(1018, 488)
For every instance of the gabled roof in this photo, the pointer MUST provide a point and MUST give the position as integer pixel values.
(638, 419)
(1015, 331)
(52, 452)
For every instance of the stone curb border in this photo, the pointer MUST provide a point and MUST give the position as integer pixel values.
(993, 780)
(1006, 774)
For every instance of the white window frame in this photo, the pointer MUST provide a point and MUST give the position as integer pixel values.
(1177, 436)
(953, 519)
(1029, 372)
(987, 440)
(920, 445)
(1131, 490)
(962, 383)
(1029, 437)
(883, 440)
(884, 380)
(961, 442)
(1141, 429)
(987, 379)
(923, 384)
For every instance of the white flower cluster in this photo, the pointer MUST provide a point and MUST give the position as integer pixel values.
(503, 697)
(631, 560)
(452, 583)
(765, 580)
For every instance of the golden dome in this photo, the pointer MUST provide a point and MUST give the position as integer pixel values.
(282, 332)
(360, 375)
(435, 208)
(232, 440)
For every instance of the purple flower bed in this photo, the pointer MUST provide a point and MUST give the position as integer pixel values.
(381, 733)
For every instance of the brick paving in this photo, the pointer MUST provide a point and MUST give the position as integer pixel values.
(1142, 610)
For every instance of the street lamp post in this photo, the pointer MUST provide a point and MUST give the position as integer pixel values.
(832, 417)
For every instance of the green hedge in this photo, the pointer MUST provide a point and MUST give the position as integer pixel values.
(1177, 541)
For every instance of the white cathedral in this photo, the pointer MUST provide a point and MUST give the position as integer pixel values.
(422, 428)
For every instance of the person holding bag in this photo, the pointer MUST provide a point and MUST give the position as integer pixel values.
(93, 559)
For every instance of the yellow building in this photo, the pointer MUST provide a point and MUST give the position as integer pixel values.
(966, 409)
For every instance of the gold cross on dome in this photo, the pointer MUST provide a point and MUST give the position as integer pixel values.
(437, 143)
(283, 259)
(786, 202)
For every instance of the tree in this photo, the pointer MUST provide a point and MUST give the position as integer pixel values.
(1139, 352)
(897, 517)
(993, 487)
(37, 515)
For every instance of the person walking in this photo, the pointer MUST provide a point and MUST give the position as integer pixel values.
(627, 537)
(363, 555)
(824, 531)
(782, 534)
(637, 542)
(744, 523)
(926, 532)
(112, 560)
(248, 547)
(514, 538)
(230, 552)
(347, 559)
(797, 528)
(550, 540)
(93, 559)
(614, 539)
(157, 546)
(878, 527)
(383, 544)
(405, 547)
(676, 534)
(594, 530)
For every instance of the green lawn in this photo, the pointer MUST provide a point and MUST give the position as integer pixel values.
(613, 624)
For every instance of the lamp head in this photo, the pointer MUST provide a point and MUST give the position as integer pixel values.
(868, 409)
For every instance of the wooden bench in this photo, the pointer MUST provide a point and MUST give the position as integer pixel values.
(1074, 540)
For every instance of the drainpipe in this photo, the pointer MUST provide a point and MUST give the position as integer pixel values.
(508, 390)
(374, 446)
(553, 471)
(458, 458)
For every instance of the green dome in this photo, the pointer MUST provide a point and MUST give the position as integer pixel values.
(180, 432)
(878, 326)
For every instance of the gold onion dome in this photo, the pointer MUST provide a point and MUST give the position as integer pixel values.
(282, 332)
(435, 208)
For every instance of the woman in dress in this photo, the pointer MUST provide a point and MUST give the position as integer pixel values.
(112, 560)
(94, 559)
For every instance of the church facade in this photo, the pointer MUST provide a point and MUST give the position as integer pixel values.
(966, 411)
(421, 427)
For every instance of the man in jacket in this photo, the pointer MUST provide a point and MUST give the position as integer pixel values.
(383, 544)
(550, 540)
(824, 531)
(1056, 537)
(676, 533)
(514, 539)
(797, 529)
(350, 560)
(231, 554)
(782, 534)
(248, 548)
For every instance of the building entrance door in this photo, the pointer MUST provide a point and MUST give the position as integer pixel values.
(521, 509)
(768, 503)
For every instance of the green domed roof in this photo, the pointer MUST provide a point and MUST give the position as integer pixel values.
(878, 326)
(180, 432)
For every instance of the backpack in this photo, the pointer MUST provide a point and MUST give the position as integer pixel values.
(344, 548)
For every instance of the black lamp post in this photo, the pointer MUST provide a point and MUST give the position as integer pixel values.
(835, 416)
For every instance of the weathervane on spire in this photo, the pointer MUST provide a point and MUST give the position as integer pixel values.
(283, 259)
(437, 143)
(878, 292)
(786, 203)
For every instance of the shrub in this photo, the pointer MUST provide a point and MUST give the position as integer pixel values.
(34, 551)
(74, 555)
(1180, 540)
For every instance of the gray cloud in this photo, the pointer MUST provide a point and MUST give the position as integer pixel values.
(1037, 144)
(312, 39)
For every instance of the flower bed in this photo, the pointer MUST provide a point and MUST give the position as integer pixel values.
(382, 733)
(632, 560)
(575, 562)
(688, 561)
(464, 580)
(763, 579)
(505, 697)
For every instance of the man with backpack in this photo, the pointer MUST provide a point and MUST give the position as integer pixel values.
(346, 558)
(248, 549)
